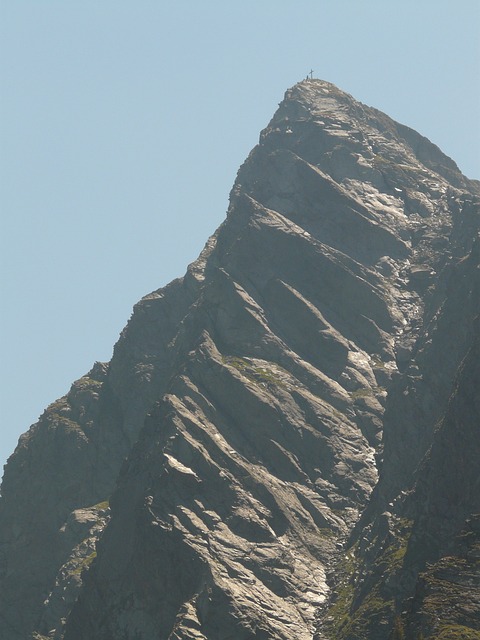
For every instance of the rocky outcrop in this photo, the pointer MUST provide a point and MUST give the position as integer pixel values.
(412, 565)
(237, 430)
(71, 458)
(446, 508)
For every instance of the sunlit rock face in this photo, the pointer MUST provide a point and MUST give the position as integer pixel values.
(204, 483)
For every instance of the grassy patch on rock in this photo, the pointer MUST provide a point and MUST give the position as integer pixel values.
(457, 632)
(355, 610)
(84, 563)
(270, 376)
(365, 392)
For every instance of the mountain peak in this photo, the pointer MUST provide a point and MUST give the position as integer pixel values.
(313, 90)
(371, 137)
(204, 482)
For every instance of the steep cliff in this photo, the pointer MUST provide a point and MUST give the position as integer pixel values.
(203, 483)
(412, 566)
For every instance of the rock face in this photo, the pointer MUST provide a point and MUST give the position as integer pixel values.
(215, 479)
(413, 563)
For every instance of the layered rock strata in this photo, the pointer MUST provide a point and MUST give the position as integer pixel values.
(236, 432)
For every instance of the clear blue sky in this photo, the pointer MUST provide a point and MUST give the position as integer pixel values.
(123, 125)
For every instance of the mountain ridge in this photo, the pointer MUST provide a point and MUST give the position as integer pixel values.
(237, 430)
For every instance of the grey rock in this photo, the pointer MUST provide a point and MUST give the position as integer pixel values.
(237, 428)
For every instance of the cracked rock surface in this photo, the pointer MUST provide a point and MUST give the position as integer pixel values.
(203, 483)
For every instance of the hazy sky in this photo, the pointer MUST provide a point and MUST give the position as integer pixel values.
(123, 125)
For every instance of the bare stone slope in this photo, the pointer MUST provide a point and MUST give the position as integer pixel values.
(202, 484)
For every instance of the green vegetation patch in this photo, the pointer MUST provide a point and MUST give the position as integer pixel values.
(374, 609)
(456, 632)
(255, 373)
(365, 392)
(84, 563)
(351, 617)
(377, 363)
(394, 554)
(348, 624)
(101, 506)
(339, 614)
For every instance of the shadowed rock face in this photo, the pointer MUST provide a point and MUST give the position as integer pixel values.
(201, 485)
(413, 563)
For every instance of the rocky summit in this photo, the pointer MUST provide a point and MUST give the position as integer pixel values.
(285, 443)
